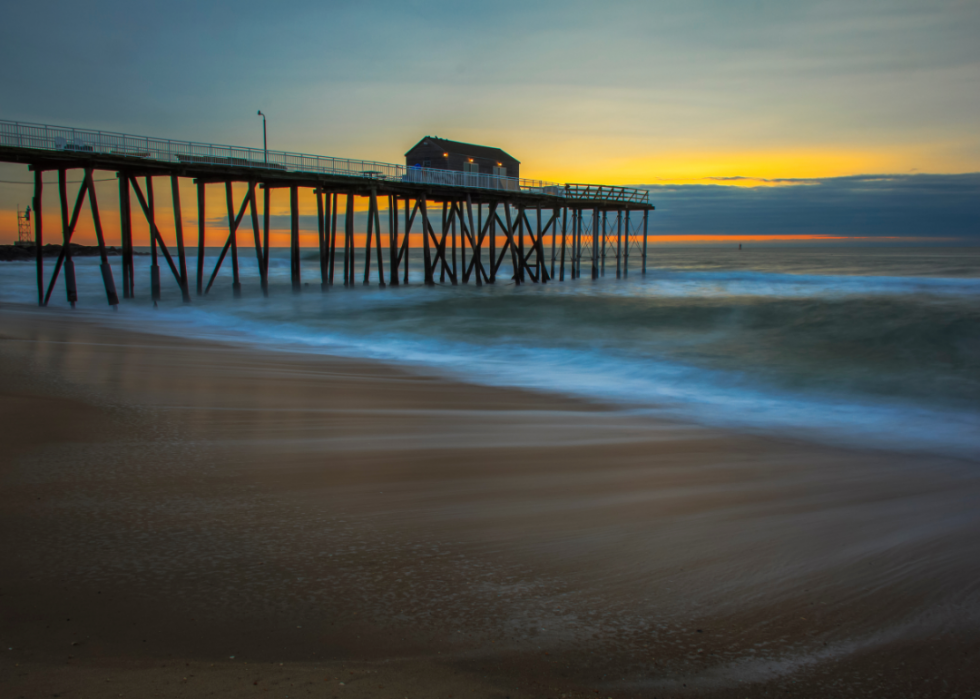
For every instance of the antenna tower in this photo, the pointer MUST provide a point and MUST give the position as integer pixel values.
(25, 235)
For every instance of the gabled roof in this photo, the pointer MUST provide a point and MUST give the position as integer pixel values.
(469, 149)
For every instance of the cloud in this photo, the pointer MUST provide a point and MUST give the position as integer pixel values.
(920, 206)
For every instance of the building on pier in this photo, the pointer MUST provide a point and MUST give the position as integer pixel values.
(443, 154)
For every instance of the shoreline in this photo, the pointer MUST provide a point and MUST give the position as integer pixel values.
(28, 253)
(450, 535)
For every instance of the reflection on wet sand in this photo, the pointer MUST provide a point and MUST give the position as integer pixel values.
(188, 498)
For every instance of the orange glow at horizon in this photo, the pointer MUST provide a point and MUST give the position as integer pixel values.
(309, 240)
(610, 164)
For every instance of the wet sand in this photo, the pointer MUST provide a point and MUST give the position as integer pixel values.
(183, 519)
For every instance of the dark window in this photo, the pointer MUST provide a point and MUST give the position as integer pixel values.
(426, 163)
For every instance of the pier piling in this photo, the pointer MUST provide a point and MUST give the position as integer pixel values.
(200, 237)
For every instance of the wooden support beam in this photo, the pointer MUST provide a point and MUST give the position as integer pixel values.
(540, 264)
(154, 262)
(646, 213)
(463, 239)
(321, 235)
(595, 243)
(39, 234)
(328, 201)
(537, 248)
(294, 254)
(554, 237)
(507, 246)
(107, 280)
(349, 242)
(515, 253)
(266, 213)
(201, 224)
(333, 236)
(572, 271)
(236, 284)
(426, 230)
(492, 221)
(626, 250)
(475, 241)
(603, 238)
(520, 242)
(448, 219)
(367, 241)
(438, 252)
(393, 250)
(477, 261)
(619, 244)
(439, 247)
(406, 243)
(126, 234)
(233, 226)
(259, 251)
(440, 244)
(564, 233)
(575, 228)
(179, 230)
(531, 250)
(377, 236)
(154, 231)
(543, 274)
(70, 288)
(452, 226)
(65, 256)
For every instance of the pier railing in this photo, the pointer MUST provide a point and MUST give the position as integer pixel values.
(606, 193)
(18, 134)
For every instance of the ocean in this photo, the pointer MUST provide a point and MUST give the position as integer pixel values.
(875, 347)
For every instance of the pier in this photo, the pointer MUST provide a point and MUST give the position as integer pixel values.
(470, 223)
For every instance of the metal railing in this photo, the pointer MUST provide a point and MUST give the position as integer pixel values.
(607, 193)
(18, 134)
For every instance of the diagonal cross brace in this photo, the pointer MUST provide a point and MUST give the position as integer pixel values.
(156, 231)
(408, 228)
(79, 200)
(441, 247)
(479, 245)
(231, 234)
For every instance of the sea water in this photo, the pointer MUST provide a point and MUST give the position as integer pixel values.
(868, 347)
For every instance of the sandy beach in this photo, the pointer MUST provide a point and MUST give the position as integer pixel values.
(181, 518)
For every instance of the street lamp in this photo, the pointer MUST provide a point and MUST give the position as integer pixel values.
(265, 140)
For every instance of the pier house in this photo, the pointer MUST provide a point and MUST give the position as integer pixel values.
(443, 154)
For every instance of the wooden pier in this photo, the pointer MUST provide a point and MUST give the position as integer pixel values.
(548, 229)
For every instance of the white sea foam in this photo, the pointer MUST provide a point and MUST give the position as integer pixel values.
(869, 360)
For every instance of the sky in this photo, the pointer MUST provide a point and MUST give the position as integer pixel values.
(744, 118)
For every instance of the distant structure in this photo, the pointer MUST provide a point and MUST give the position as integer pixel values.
(25, 236)
(442, 154)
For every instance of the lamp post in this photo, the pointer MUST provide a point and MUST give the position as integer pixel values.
(265, 140)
